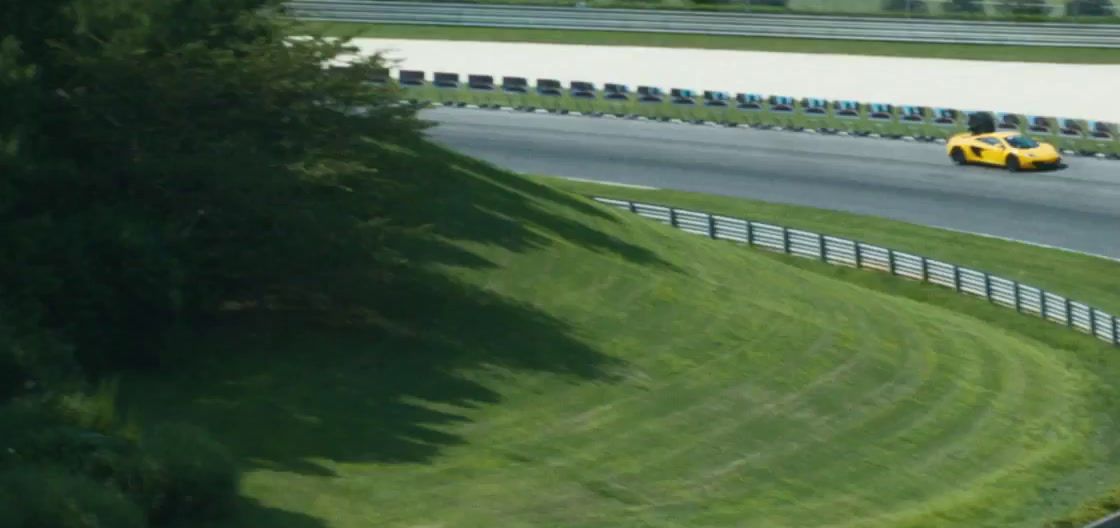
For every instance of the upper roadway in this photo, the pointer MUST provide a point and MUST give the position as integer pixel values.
(1076, 208)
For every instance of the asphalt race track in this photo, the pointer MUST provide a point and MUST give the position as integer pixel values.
(1077, 207)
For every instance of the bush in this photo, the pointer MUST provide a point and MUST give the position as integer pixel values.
(1026, 7)
(174, 472)
(964, 6)
(180, 473)
(911, 6)
(981, 123)
(37, 497)
(31, 359)
(1091, 8)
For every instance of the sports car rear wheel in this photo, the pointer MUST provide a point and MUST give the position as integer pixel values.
(957, 156)
(1013, 164)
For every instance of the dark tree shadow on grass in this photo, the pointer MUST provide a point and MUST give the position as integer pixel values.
(283, 389)
(480, 203)
(280, 390)
(249, 512)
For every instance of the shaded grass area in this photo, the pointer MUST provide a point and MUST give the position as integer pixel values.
(674, 40)
(1082, 277)
(550, 362)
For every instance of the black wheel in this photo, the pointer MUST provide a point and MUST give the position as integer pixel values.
(957, 155)
(1013, 164)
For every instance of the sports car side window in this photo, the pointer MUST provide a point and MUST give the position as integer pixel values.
(991, 141)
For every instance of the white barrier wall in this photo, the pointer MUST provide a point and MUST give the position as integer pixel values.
(1054, 90)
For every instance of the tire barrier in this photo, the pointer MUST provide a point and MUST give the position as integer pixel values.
(1073, 136)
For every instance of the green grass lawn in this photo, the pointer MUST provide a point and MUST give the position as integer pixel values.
(1085, 278)
(553, 362)
(672, 40)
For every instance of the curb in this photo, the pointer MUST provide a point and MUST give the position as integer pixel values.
(718, 124)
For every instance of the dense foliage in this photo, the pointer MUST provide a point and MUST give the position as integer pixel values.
(160, 161)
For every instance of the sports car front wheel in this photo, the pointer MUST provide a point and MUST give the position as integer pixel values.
(957, 155)
(1013, 164)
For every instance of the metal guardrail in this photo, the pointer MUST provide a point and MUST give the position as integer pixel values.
(1112, 521)
(756, 25)
(844, 252)
(1004, 292)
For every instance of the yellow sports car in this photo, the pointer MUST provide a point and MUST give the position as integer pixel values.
(1012, 150)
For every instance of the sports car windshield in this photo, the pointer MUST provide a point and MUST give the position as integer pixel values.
(1022, 142)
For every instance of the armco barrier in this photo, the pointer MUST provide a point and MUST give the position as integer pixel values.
(756, 25)
(1073, 136)
(1111, 521)
(1023, 298)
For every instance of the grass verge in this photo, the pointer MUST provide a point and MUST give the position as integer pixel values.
(1055, 11)
(768, 113)
(557, 363)
(673, 40)
(1083, 277)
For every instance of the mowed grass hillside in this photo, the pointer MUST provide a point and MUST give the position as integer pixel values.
(551, 362)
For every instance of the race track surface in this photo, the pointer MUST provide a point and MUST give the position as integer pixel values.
(1076, 208)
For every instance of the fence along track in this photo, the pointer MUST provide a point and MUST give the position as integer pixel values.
(735, 24)
(1005, 292)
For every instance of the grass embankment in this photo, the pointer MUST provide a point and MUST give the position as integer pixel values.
(672, 40)
(558, 363)
(1082, 277)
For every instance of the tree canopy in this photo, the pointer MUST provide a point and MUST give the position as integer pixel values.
(160, 161)
(161, 158)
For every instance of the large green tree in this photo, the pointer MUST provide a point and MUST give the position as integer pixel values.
(160, 158)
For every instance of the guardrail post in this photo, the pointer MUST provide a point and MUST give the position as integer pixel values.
(711, 225)
(823, 244)
(632, 205)
(673, 216)
(1018, 297)
(1115, 330)
(956, 277)
(1092, 321)
(890, 260)
(785, 239)
(988, 286)
(925, 269)
(1069, 313)
(859, 255)
(750, 233)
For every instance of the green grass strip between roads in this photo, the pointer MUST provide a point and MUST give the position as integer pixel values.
(1050, 11)
(672, 40)
(797, 117)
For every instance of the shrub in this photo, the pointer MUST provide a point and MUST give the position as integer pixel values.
(38, 497)
(981, 123)
(31, 358)
(964, 6)
(180, 473)
(174, 472)
(1091, 8)
(96, 410)
(912, 6)
(1026, 7)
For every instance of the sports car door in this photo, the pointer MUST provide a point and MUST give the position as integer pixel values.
(991, 150)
